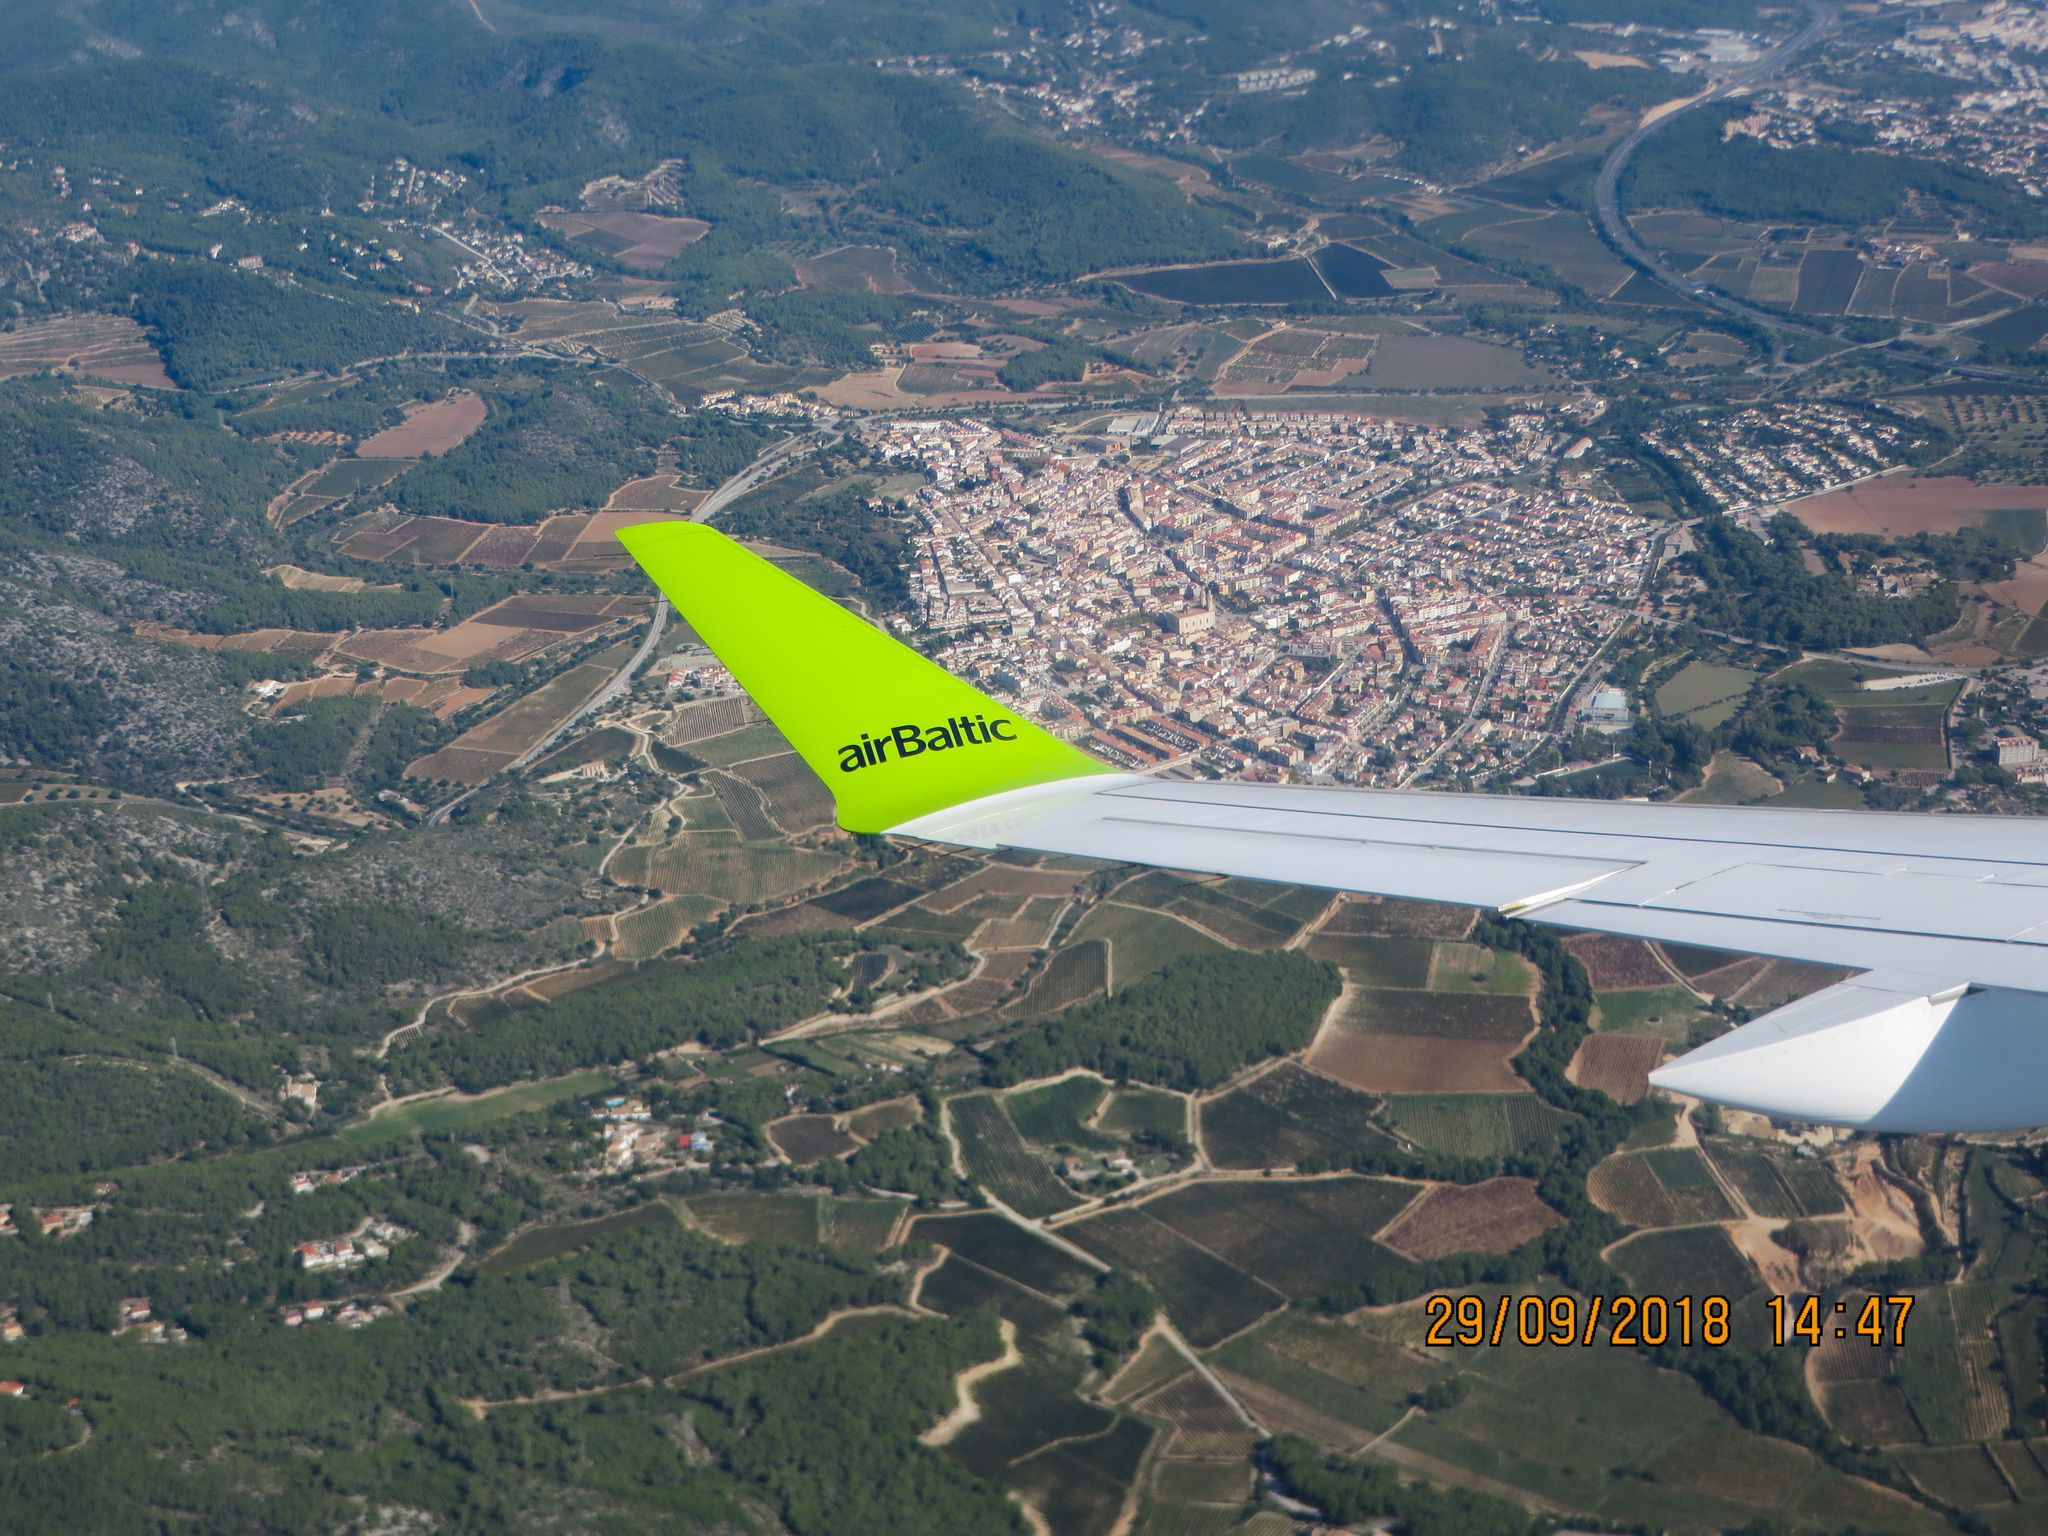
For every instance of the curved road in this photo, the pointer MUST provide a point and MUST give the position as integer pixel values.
(1607, 188)
(1607, 206)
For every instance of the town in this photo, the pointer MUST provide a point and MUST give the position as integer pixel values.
(1323, 597)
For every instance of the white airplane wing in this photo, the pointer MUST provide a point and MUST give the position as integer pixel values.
(1946, 915)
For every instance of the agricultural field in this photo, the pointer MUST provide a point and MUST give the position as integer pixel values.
(1474, 1124)
(1139, 942)
(111, 347)
(1285, 1115)
(477, 754)
(1377, 1062)
(889, 1115)
(430, 429)
(795, 798)
(452, 1114)
(1704, 694)
(1132, 1111)
(1303, 1237)
(718, 865)
(1473, 968)
(1667, 1010)
(1245, 913)
(1685, 1261)
(1664, 1188)
(997, 1159)
(537, 1245)
(1613, 962)
(1619, 1065)
(1395, 917)
(1376, 962)
(1563, 242)
(1035, 1404)
(807, 1139)
(1496, 1216)
(1773, 1187)
(1056, 1114)
(1439, 1015)
(1000, 1245)
(1207, 1298)
(749, 1217)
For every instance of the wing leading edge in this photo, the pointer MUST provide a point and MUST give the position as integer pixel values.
(1947, 914)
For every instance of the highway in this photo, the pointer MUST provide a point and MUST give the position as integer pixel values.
(1607, 189)
(1822, 23)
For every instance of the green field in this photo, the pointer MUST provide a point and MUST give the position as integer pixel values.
(718, 865)
(1207, 1298)
(1474, 1124)
(1371, 962)
(1303, 1237)
(1606, 1431)
(1250, 1355)
(451, 1115)
(1666, 1011)
(543, 1243)
(999, 1244)
(1032, 1405)
(1755, 1177)
(1439, 1015)
(1685, 1261)
(1076, 971)
(662, 926)
(748, 1217)
(1000, 1163)
(1732, 779)
(861, 1224)
(1285, 1115)
(1701, 684)
(1052, 1116)
(1563, 242)
(1474, 968)
(1145, 1109)
(752, 741)
(1140, 942)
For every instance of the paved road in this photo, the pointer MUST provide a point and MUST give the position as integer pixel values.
(1607, 204)
(763, 469)
(621, 683)
(1607, 193)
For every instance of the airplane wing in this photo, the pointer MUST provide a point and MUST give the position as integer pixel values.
(1947, 916)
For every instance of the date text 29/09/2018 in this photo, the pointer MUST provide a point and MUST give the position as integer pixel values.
(1630, 1321)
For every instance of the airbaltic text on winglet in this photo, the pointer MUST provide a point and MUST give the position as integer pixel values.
(910, 740)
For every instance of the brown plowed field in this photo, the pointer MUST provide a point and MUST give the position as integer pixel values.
(1618, 1065)
(1415, 1064)
(1614, 962)
(644, 240)
(428, 430)
(1493, 1217)
(1401, 919)
(105, 346)
(1895, 506)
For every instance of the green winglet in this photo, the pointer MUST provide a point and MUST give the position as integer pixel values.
(895, 736)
